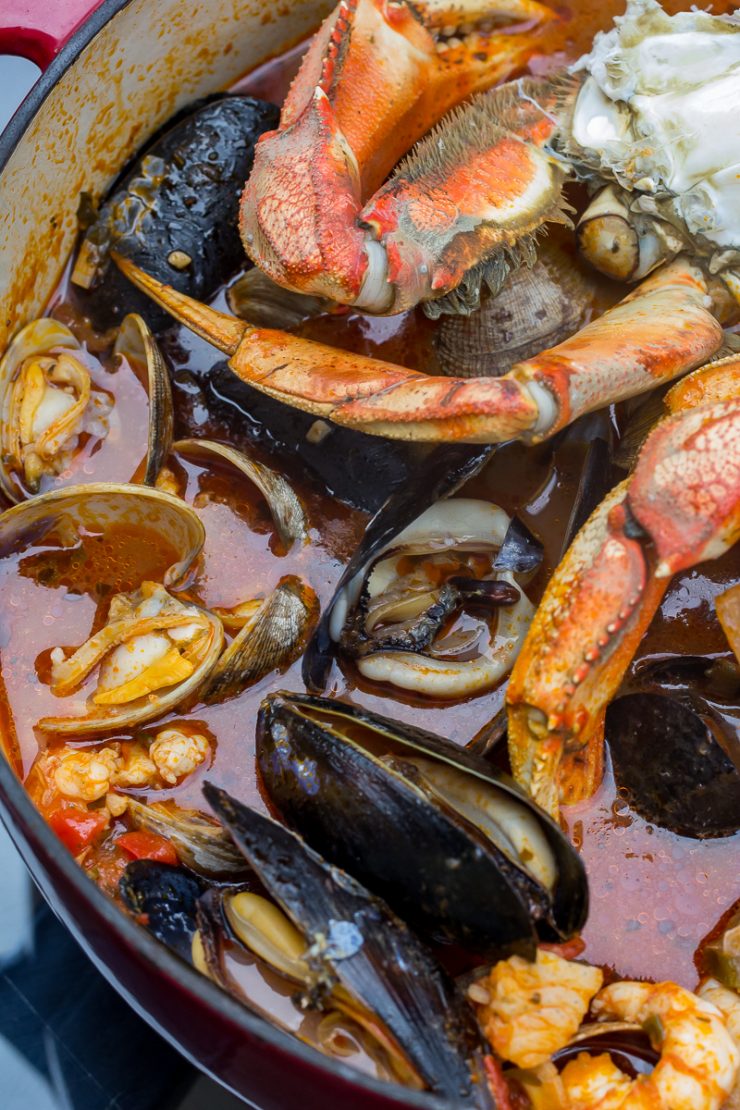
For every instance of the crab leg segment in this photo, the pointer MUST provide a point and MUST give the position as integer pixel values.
(377, 76)
(662, 330)
(681, 506)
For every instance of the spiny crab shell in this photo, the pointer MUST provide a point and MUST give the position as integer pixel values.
(657, 114)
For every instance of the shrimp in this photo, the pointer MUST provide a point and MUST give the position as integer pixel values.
(727, 1002)
(698, 1062)
(530, 1010)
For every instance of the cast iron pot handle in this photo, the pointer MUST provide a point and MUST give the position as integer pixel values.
(38, 29)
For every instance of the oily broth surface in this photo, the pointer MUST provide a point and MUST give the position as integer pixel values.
(653, 894)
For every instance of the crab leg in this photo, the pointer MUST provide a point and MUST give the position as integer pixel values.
(658, 332)
(681, 506)
(378, 75)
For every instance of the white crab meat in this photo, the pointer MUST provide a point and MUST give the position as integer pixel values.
(660, 111)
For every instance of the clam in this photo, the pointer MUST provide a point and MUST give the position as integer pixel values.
(48, 401)
(399, 631)
(453, 846)
(137, 345)
(154, 650)
(343, 944)
(152, 653)
(63, 514)
(270, 635)
(201, 843)
(536, 309)
(285, 507)
(52, 401)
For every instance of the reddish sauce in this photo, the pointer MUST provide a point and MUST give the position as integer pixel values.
(653, 894)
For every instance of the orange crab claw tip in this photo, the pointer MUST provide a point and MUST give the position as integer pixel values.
(223, 331)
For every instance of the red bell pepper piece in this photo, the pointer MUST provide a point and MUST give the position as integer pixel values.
(146, 845)
(78, 828)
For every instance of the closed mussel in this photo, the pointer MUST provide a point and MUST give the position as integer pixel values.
(358, 955)
(451, 844)
(346, 967)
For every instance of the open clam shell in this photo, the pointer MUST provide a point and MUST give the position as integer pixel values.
(98, 506)
(144, 622)
(138, 346)
(353, 939)
(152, 654)
(454, 847)
(51, 398)
(285, 507)
(201, 844)
(272, 637)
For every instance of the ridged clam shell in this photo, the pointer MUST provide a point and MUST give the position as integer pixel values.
(536, 309)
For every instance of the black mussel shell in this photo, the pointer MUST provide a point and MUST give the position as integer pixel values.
(668, 759)
(439, 475)
(175, 212)
(165, 898)
(434, 868)
(521, 552)
(373, 954)
(357, 468)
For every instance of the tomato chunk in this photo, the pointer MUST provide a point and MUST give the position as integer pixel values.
(76, 828)
(146, 845)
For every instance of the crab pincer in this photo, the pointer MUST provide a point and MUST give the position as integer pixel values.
(680, 506)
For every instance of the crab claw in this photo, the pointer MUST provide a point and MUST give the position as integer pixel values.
(681, 506)
(660, 331)
(378, 75)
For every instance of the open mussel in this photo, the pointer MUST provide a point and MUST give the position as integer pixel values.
(360, 955)
(175, 211)
(436, 614)
(691, 782)
(319, 937)
(57, 409)
(452, 845)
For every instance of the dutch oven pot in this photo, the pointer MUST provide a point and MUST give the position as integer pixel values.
(111, 77)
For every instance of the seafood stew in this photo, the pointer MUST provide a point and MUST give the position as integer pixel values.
(174, 559)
